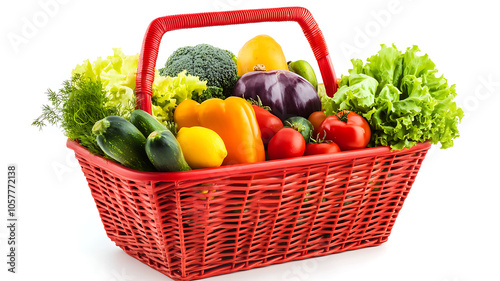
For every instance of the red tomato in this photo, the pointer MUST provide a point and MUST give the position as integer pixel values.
(321, 148)
(347, 129)
(269, 124)
(316, 118)
(286, 143)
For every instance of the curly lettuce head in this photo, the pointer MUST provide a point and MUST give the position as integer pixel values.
(401, 97)
(117, 74)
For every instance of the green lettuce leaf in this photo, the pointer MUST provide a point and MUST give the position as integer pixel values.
(168, 92)
(401, 97)
(117, 73)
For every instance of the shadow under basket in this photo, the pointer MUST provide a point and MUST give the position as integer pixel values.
(195, 224)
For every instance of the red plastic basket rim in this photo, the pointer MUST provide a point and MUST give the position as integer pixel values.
(225, 170)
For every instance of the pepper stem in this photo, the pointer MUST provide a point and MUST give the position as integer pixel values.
(259, 67)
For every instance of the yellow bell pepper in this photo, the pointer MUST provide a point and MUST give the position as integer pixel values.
(233, 119)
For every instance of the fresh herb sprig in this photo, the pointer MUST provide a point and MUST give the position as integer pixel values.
(75, 108)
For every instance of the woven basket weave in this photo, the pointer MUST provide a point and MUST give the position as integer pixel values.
(195, 224)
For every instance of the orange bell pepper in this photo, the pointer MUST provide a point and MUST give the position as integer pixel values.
(235, 122)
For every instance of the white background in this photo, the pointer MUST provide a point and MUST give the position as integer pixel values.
(448, 229)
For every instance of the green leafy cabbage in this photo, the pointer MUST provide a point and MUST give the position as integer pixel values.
(402, 98)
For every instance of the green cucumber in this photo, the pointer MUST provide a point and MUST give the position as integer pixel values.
(165, 153)
(123, 142)
(304, 69)
(145, 122)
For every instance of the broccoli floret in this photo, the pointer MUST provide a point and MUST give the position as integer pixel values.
(209, 63)
(209, 93)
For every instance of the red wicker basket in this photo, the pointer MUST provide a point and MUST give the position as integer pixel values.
(195, 224)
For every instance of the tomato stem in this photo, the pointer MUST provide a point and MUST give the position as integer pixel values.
(342, 115)
(317, 139)
(258, 103)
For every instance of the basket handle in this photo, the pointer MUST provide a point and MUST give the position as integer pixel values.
(159, 26)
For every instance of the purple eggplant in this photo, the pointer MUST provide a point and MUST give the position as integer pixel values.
(286, 93)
